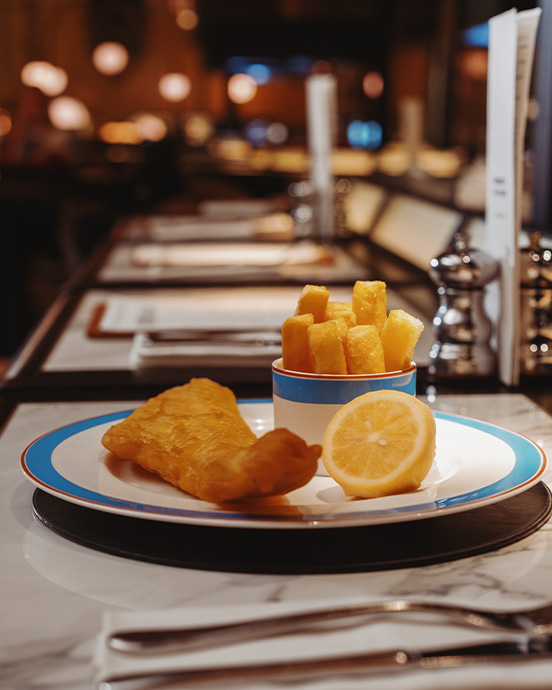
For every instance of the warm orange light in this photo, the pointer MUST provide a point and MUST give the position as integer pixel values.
(474, 64)
(5, 122)
(198, 129)
(241, 88)
(110, 58)
(143, 127)
(373, 84)
(187, 19)
(69, 113)
(43, 75)
(120, 133)
(175, 86)
(150, 127)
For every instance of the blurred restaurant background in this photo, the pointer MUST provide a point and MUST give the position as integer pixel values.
(110, 108)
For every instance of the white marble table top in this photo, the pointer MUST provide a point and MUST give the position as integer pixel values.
(53, 593)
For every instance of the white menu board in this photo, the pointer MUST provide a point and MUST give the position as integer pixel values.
(512, 37)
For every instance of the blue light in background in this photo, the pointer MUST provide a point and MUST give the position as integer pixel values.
(256, 132)
(476, 36)
(364, 135)
(262, 69)
(259, 73)
(299, 64)
(237, 65)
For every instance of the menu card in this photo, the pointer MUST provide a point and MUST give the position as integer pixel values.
(512, 37)
(127, 315)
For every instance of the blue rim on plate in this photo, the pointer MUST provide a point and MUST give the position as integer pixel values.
(528, 467)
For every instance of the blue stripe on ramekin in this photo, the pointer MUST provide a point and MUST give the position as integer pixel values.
(323, 391)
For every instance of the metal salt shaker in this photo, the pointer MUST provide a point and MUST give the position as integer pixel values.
(462, 326)
(536, 307)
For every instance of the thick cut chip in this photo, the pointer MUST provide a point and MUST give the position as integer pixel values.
(194, 437)
(313, 300)
(370, 302)
(342, 328)
(327, 349)
(344, 309)
(364, 351)
(399, 337)
(296, 354)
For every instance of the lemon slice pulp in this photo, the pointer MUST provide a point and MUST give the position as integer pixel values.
(380, 443)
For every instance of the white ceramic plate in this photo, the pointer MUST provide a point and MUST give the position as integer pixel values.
(476, 464)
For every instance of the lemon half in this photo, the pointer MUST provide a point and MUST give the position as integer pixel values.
(380, 443)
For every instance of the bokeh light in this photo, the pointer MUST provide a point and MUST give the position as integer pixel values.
(187, 19)
(260, 73)
(373, 84)
(256, 132)
(43, 75)
(474, 64)
(119, 133)
(150, 127)
(364, 135)
(175, 87)
(241, 88)
(277, 133)
(5, 122)
(110, 58)
(138, 129)
(68, 113)
(198, 129)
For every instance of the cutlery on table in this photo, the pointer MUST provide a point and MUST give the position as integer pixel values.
(246, 336)
(371, 662)
(534, 621)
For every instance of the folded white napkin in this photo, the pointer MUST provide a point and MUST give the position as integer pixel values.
(379, 634)
(145, 353)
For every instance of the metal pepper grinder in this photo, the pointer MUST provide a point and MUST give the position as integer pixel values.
(536, 307)
(462, 327)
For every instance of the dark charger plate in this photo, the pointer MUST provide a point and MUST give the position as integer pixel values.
(301, 551)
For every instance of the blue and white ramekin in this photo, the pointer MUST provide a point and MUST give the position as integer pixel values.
(305, 403)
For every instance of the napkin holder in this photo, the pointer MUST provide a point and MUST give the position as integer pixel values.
(462, 327)
(536, 307)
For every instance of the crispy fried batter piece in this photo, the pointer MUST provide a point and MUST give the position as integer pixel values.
(194, 437)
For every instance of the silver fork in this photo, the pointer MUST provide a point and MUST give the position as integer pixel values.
(534, 621)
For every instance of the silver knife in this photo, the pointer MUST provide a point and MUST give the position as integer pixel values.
(523, 649)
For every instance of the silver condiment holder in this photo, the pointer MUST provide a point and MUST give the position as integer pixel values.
(462, 327)
(536, 307)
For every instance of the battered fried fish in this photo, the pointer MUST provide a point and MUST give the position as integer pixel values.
(194, 437)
